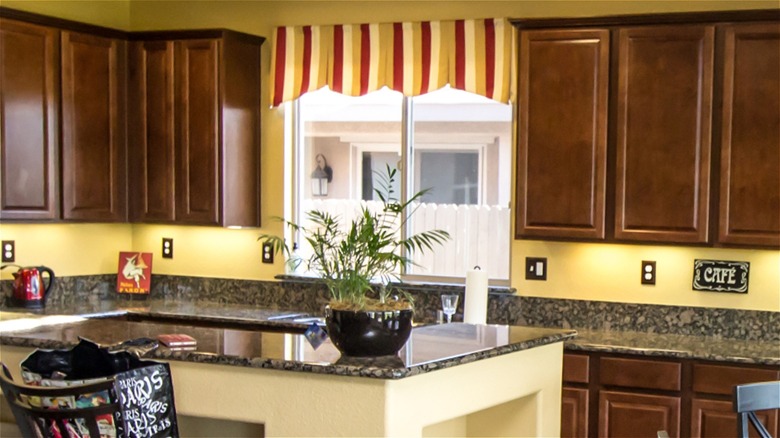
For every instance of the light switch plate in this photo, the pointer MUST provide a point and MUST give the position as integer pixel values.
(536, 268)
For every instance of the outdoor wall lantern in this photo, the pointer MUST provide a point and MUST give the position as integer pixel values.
(321, 176)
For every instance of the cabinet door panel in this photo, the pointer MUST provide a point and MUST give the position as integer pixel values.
(663, 133)
(721, 379)
(29, 120)
(641, 373)
(93, 134)
(637, 415)
(716, 418)
(576, 368)
(198, 173)
(240, 132)
(562, 138)
(750, 147)
(574, 412)
(152, 133)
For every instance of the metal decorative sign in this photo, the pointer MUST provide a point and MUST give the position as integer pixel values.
(721, 276)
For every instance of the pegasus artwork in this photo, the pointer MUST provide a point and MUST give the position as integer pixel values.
(134, 269)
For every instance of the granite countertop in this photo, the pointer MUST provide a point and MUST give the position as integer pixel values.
(210, 312)
(430, 347)
(626, 342)
(678, 346)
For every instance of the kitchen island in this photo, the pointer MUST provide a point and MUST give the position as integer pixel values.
(450, 379)
(695, 338)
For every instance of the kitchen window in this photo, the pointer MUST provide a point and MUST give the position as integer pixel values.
(455, 143)
(430, 99)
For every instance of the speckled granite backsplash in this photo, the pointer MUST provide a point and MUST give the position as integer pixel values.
(503, 307)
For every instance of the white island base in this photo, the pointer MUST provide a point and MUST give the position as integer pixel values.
(516, 394)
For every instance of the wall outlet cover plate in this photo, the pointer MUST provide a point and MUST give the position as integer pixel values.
(167, 248)
(268, 253)
(648, 272)
(9, 251)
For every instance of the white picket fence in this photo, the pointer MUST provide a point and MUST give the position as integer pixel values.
(479, 235)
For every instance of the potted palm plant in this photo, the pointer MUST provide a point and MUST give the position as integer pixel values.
(357, 261)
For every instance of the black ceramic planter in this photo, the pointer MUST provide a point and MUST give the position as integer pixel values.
(368, 333)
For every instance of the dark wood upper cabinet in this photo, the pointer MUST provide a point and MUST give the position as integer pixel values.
(683, 112)
(195, 121)
(151, 134)
(94, 174)
(191, 100)
(663, 133)
(562, 133)
(29, 121)
(750, 136)
(198, 144)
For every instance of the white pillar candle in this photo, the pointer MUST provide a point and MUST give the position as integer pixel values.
(475, 304)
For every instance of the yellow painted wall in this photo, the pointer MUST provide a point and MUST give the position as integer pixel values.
(205, 251)
(109, 13)
(73, 249)
(581, 271)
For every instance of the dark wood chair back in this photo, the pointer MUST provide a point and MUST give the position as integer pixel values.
(37, 421)
(752, 397)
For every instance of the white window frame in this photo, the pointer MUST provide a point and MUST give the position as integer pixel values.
(293, 135)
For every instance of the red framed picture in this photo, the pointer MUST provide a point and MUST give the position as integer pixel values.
(134, 275)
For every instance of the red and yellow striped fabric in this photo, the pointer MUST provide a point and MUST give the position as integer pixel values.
(413, 58)
(299, 61)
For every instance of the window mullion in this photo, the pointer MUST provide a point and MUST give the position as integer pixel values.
(296, 132)
(406, 164)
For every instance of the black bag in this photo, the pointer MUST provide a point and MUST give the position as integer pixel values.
(143, 389)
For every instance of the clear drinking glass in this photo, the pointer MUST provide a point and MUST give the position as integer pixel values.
(449, 303)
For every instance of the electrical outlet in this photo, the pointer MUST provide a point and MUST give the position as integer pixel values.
(648, 272)
(268, 253)
(9, 251)
(167, 248)
(536, 268)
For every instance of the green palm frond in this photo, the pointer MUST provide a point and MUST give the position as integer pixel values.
(370, 249)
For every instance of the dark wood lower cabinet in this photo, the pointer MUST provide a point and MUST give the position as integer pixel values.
(574, 412)
(713, 384)
(618, 395)
(623, 414)
(716, 418)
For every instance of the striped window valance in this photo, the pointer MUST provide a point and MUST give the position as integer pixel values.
(411, 57)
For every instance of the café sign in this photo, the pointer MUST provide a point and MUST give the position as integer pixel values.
(721, 276)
